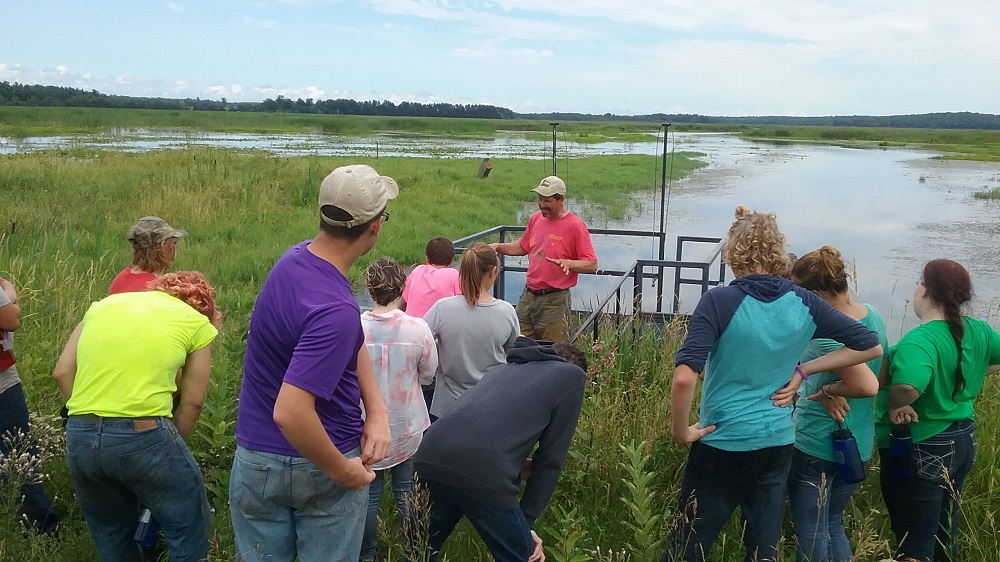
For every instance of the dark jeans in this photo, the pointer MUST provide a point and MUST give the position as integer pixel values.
(715, 482)
(924, 508)
(13, 418)
(505, 531)
(817, 497)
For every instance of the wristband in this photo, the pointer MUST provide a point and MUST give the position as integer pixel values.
(827, 392)
(798, 369)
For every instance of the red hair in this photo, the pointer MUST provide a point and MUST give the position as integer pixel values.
(192, 288)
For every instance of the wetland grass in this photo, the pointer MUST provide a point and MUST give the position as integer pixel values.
(62, 239)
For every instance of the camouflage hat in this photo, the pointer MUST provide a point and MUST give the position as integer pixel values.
(150, 231)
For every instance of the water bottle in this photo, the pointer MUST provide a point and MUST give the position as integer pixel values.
(146, 530)
(901, 461)
(845, 450)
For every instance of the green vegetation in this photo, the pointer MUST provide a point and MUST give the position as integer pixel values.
(16, 121)
(62, 239)
(957, 143)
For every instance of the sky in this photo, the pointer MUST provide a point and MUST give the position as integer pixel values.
(626, 57)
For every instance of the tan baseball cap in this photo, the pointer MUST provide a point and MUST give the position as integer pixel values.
(550, 186)
(150, 231)
(359, 191)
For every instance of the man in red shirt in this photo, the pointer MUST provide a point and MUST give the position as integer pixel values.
(558, 247)
(154, 247)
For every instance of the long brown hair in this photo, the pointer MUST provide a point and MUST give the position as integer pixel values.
(821, 270)
(477, 260)
(949, 286)
(153, 258)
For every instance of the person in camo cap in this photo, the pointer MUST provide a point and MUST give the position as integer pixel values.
(154, 248)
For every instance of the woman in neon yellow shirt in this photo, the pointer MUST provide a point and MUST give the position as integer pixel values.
(930, 379)
(124, 444)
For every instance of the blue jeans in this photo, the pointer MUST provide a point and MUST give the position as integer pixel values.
(14, 419)
(818, 497)
(115, 468)
(924, 508)
(283, 507)
(715, 482)
(505, 531)
(402, 492)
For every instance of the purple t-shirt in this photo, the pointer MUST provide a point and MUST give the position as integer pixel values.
(305, 330)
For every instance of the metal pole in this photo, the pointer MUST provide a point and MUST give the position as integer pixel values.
(554, 125)
(663, 219)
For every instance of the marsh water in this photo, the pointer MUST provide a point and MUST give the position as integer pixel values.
(888, 211)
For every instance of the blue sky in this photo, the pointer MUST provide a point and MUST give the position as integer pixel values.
(726, 57)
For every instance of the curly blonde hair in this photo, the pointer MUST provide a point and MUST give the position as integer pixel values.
(755, 245)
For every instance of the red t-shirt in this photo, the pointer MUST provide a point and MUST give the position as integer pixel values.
(128, 282)
(563, 238)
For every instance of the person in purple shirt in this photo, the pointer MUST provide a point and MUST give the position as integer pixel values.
(299, 483)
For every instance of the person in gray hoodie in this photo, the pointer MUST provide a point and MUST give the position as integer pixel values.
(471, 460)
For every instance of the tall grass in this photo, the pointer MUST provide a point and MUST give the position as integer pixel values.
(63, 219)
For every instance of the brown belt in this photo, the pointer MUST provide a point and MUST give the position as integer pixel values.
(138, 424)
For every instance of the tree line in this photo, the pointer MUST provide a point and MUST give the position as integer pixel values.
(40, 95)
(50, 96)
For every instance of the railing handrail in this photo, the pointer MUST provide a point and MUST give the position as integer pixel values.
(636, 271)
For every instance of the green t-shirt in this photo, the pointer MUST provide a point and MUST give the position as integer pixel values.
(926, 358)
(813, 425)
(130, 349)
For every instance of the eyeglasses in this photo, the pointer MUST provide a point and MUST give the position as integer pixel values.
(385, 216)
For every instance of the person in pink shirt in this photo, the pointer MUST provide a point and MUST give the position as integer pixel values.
(558, 247)
(154, 248)
(403, 355)
(432, 281)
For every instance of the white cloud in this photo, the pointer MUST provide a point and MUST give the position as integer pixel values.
(493, 53)
(175, 7)
(263, 24)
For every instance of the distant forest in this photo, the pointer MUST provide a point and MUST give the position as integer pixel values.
(38, 95)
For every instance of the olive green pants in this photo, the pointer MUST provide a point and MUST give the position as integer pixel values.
(545, 317)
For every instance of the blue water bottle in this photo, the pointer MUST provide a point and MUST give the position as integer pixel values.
(845, 449)
(901, 461)
(146, 530)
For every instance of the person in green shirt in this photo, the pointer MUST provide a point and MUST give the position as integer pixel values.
(929, 381)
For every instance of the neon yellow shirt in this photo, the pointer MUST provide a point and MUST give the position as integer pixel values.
(130, 349)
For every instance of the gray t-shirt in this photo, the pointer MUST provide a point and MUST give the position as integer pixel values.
(471, 339)
(8, 376)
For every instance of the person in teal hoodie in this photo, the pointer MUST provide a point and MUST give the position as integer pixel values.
(744, 340)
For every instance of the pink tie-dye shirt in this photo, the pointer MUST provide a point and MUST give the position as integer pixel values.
(404, 356)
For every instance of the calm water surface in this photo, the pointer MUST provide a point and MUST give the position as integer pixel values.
(888, 211)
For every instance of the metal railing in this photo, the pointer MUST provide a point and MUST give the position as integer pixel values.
(637, 272)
